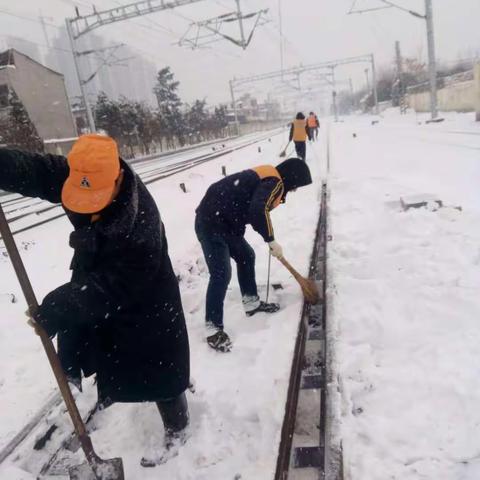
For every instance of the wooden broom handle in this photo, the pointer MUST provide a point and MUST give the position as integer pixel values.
(287, 265)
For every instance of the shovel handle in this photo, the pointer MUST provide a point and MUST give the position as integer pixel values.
(45, 339)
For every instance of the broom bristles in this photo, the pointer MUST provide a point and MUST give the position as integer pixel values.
(310, 291)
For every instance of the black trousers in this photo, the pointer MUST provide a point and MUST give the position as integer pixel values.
(301, 149)
(174, 413)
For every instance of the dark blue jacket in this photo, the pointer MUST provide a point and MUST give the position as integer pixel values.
(240, 199)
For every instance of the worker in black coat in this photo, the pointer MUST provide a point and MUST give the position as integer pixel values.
(120, 317)
(227, 207)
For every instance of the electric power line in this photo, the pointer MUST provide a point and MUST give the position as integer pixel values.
(30, 19)
(41, 45)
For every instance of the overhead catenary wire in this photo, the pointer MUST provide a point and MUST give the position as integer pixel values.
(173, 34)
(28, 18)
(38, 44)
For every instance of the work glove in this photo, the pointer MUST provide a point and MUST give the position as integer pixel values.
(275, 249)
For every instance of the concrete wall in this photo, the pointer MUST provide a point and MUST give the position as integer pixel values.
(462, 96)
(42, 92)
(458, 97)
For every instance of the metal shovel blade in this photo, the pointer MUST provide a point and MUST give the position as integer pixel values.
(102, 470)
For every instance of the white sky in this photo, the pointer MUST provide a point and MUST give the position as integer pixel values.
(315, 31)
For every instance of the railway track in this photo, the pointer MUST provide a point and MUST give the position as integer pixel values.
(309, 449)
(302, 447)
(20, 208)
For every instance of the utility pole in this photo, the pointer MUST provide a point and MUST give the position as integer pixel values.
(398, 59)
(44, 28)
(83, 91)
(368, 79)
(234, 105)
(375, 89)
(334, 95)
(432, 63)
(400, 80)
(282, 64)
(352, 93)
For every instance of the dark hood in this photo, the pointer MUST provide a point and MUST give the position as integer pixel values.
(295, 174)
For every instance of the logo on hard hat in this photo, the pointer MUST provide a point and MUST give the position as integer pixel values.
(85, 183)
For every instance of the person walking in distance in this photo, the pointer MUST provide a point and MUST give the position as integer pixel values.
(317, 127)
(299, 133)
(221, 218)
(120, 316)
(313, 126)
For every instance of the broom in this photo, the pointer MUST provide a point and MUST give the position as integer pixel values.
(309, 287)
(283, 153)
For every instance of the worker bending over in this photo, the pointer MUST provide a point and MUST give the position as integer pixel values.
(228, 206)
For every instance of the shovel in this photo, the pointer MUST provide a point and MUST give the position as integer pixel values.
(95, 468)
(309, 287)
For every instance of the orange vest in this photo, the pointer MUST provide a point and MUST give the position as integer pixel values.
(299, 131)
(312, 121)
(265, 171)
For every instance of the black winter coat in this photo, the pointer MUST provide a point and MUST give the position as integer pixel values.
(240, 199)
(121, 315)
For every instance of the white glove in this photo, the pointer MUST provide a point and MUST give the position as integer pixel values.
(276, 249)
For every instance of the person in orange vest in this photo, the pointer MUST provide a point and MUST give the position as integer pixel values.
(299, 132)
(222, 216)
(313, 125)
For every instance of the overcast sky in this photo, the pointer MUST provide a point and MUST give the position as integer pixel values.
(314, 31)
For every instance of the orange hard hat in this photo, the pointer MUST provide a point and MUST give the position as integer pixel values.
(94, 167)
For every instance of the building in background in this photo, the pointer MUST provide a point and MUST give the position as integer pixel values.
(43, 95)
(25, 46)
(126, 73)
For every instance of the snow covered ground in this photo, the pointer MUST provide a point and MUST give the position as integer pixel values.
(238, 407)
(404, 292)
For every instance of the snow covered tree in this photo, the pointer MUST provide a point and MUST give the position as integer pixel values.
(17, 130)
(136, 126)
(220, 119)
(147, 126)
(108, 116)
(197, 120)
(169, 103)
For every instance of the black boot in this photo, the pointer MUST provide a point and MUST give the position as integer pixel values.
(175, 418)
(220, 341)
(264, 307)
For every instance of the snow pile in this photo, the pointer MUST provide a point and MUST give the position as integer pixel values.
(406, 308)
